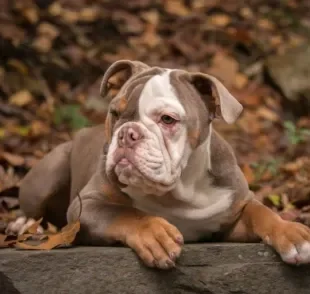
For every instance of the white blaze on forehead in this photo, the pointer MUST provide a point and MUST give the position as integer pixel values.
(158, 93)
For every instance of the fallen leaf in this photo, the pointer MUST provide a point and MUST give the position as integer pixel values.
(219, 20)
(240, 81)
(21, 98)
(48, 30)
(151, 17)
(275, 199)
(64, 238)
(39, 128)
(265, 24)
(55, 9)
(70, 16)
(89, 14)
(225, 68)
(42, 44)
(7, 241)
(31, 14)
(268, 114)
(13, 159)
(18, 65)
(295, 166)
(247, 12)
(176, 7)
(249, 174)
(34, 227)
(51, 229)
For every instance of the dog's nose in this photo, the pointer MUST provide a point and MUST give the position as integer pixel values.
(129, 136)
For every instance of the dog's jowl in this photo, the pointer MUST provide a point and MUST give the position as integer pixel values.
(156, 174)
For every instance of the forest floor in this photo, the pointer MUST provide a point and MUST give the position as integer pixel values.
(54, 54)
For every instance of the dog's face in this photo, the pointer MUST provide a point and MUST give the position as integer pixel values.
(157, 118)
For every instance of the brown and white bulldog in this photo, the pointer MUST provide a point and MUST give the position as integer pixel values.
(156, 174)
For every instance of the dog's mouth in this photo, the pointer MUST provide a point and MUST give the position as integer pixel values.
(129, 172)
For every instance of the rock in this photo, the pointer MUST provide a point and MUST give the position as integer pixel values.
(290, 72)
(202, 268)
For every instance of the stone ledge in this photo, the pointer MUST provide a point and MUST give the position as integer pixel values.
(202, 268)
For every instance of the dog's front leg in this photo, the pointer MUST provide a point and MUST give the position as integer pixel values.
(290, 239)
(156, 241)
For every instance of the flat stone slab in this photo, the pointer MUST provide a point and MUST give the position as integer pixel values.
(202, 268)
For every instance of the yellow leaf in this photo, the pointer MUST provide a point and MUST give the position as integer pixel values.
(275, 199)
(21, 130)
(2, 133)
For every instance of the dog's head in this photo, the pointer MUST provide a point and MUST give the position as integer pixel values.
(157, 118)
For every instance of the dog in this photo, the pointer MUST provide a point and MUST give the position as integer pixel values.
(156, 174)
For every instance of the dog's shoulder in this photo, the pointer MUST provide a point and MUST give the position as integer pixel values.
(224, 167)
(223, 158)
(87, 148)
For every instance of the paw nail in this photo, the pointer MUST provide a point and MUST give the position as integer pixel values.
(170, 263)
(172, 255)
(180, 240)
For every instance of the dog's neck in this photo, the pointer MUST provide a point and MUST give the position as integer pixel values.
(195, 174)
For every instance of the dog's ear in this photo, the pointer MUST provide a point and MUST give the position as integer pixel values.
(220, 102)
(118, 74)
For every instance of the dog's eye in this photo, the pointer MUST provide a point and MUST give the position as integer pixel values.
(168, 120)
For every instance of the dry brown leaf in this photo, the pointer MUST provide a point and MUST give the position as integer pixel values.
(39, 128)
(43, 44)
(248, 173)
(34, 227)
(292, 167)
(225, 68)
(51, 228)
(18, 65)
(265, 24)
(89, 14)
(70, 16)
(13, 159)
(64, 238)
(176, 7)
(241, 81)
(219, 20)
(7, 241)
(252, 100)
(151, 16)
(21, 98)
(247, 12)
(31, 14)
(48, 30)
(268, 114)
(55, 9)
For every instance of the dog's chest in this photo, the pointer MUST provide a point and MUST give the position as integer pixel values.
(203, 213)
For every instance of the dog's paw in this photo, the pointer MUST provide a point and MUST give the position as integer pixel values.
(21, 225)
(292, 241)
(157, 242)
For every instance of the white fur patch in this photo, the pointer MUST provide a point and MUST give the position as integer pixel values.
(298, 254)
